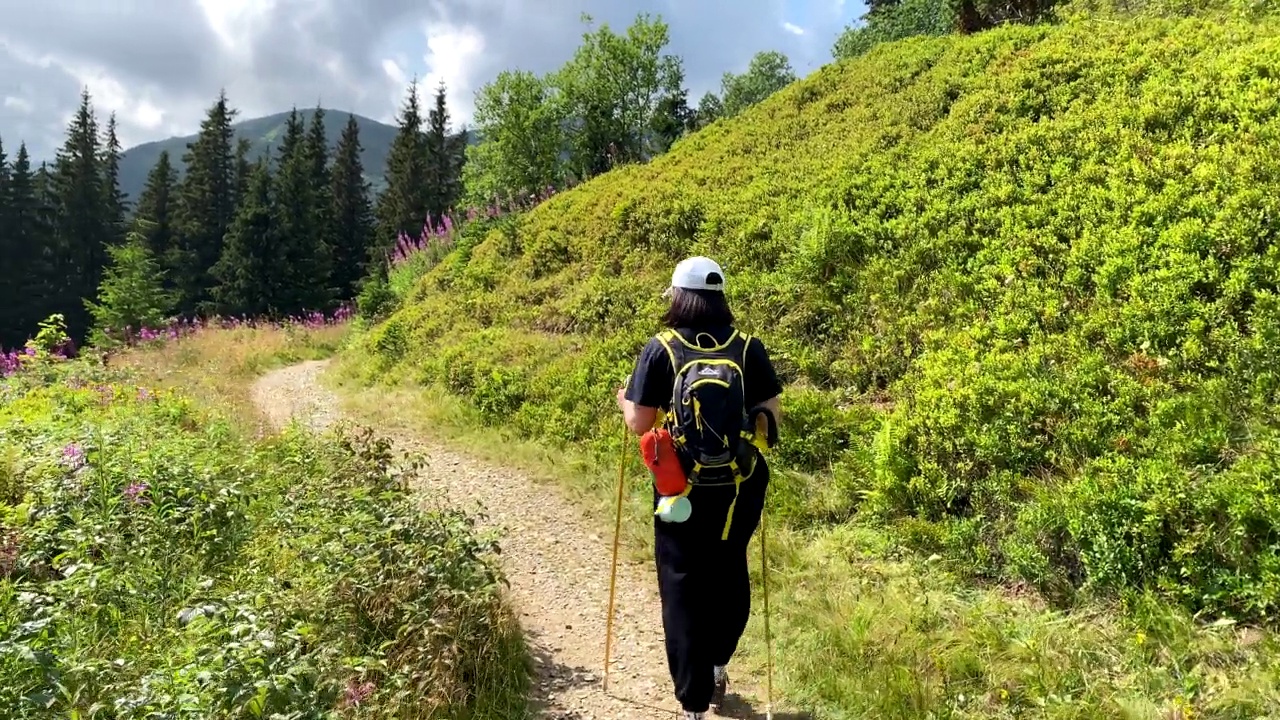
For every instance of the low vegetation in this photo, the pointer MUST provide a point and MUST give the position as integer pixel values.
(1021, 287)
(157, 560)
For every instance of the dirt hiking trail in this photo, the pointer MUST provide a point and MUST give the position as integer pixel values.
(558, 566)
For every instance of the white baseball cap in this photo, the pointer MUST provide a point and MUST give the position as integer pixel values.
(697, 273)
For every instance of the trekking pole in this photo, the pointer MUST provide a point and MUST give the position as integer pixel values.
(613, 572)
(768, 638)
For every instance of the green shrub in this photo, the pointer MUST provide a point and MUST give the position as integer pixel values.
(154, 563)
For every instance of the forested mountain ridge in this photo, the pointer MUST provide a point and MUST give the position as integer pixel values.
(264, 135)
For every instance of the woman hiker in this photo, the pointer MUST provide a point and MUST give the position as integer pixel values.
(706, 383)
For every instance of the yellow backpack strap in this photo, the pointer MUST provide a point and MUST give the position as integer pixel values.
(737, 485)
(665, 337)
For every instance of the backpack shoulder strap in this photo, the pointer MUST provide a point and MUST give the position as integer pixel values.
(669, 341)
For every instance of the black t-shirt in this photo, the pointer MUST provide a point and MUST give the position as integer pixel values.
(653, 378)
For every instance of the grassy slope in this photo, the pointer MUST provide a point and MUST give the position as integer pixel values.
(1022, 287)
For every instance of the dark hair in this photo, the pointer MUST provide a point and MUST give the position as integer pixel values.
(697, 309)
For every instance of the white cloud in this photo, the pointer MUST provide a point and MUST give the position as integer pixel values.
(793, 29)
(452, 54)
(233, 21)
(20, 104)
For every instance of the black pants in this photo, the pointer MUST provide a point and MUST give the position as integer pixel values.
(704, 584)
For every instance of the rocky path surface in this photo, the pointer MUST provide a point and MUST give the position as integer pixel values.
(557, 563)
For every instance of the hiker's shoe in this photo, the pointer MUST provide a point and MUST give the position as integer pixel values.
(722, 684)
(690, 715)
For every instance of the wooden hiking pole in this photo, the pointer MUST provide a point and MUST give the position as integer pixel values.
(768, 638)
(617, 536)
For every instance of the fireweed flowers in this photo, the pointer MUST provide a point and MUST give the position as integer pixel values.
(12, 362)
(136, 493)
(73, 456)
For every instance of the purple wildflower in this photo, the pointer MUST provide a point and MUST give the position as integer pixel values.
(357, 693)
(135, 493)
(73, 456)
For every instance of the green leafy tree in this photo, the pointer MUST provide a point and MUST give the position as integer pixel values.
(611, 89)
(672, 118)
(352, 213)
(249, 272)
(768, 73)
(890, 21)
(132, 295)
(205, 208)
(520, 120)
(710, 109)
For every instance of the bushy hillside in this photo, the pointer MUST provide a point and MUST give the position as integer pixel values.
(1022, 286)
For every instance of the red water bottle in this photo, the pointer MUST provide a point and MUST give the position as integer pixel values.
(659, 453)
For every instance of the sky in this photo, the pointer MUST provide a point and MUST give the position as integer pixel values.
(159, 64)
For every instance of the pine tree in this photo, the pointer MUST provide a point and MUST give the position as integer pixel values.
(402, 206)
(154, 218)
(83, 227)
(9, 250)
(205, 207)
(304, 256)
(7, 246)
(445, 156)
(132, 296)
(115, 205)
(31, 289)
(353, 223)
(249, 271)
(671, 120)
(244, 168)
(317, 151)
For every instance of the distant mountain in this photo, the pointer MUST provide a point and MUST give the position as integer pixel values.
(264, 133)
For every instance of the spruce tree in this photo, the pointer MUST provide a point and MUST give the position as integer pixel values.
(205, 207)
(7, 237)
(353, 223)
(115, 205)
(321, 203)
(132, 296)
(31, 292)
(83, 228)
(249, 272)
(304, 256)
(445, 156)
(244, 169)
(9, 250)
(154, 217)
(402, 206)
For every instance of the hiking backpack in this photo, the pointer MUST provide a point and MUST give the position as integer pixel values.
(708, 416)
